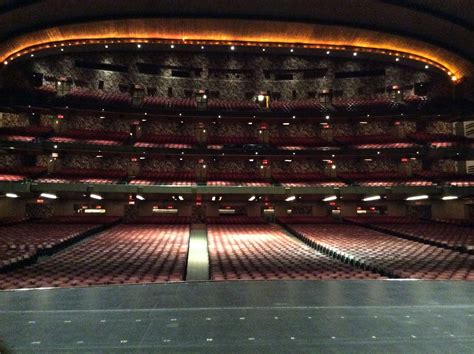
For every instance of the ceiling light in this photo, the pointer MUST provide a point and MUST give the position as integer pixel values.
(11, 195)
(290, 198)
(95, 196)
(454, 78)
(354, 54)
(418, 197)
(180, 197)
(372, 198)
(291, 50)
(232, 47)
(139, 45)
(49, 195)
(450, 197)
(328, 52)
(172, 46)
(140, 197)
(330, 198)
(202, 47)
(106, 46)
(263, 49)
(252, 198)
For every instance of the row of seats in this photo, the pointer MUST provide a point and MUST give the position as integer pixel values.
(444, 234)
(23, 242)
(266, 252)
(124, 254)
(387, 254)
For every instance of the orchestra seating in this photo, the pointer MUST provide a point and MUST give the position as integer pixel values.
(387, 254)
(123, 254)
(22, 242)
(442, 234)
(235, 220)
(162, 219)
(266, 252)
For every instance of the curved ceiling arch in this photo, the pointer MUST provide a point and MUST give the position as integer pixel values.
(240, 32)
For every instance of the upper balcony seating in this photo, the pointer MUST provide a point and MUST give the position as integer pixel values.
(416, 102)
(169, 102)
(369, 139)
(383, 179)
(306, 141)
(389, 254)
(222, 140)
(298, 105)
(248, 179)
(451, 178)
(30, 131)
(83, 97)
(232, 105)
(366, 105)
(84, 175)
(18, 174)
(124, 254)
(306, 179)
(167, 139)
(84, 134)
(436, 138)
(174, 178)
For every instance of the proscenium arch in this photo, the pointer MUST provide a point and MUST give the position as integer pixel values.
(236, 32)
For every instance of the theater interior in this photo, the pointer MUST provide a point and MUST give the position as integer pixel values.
(209, 176)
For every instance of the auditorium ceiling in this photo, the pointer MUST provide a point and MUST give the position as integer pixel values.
(437, 33)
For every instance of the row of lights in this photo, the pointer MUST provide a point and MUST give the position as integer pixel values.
(398, 56)
(251, 198)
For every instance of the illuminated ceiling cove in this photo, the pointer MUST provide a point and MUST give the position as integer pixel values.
(238, 33)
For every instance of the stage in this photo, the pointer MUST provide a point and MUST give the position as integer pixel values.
(253, 317)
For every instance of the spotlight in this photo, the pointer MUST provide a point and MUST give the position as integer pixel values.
(427, 66)
(96, 196)
(140, 197)
(328, 52)
(11, 195)
(49, 195)
(139, 46)
(263, 49)
(418, 197)
(232, 47)
(330, 198)
(172, 46)
(291, 50)
(290, 198)
(450, 197)
(202, 47)
(372, 198)
(354, 54)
